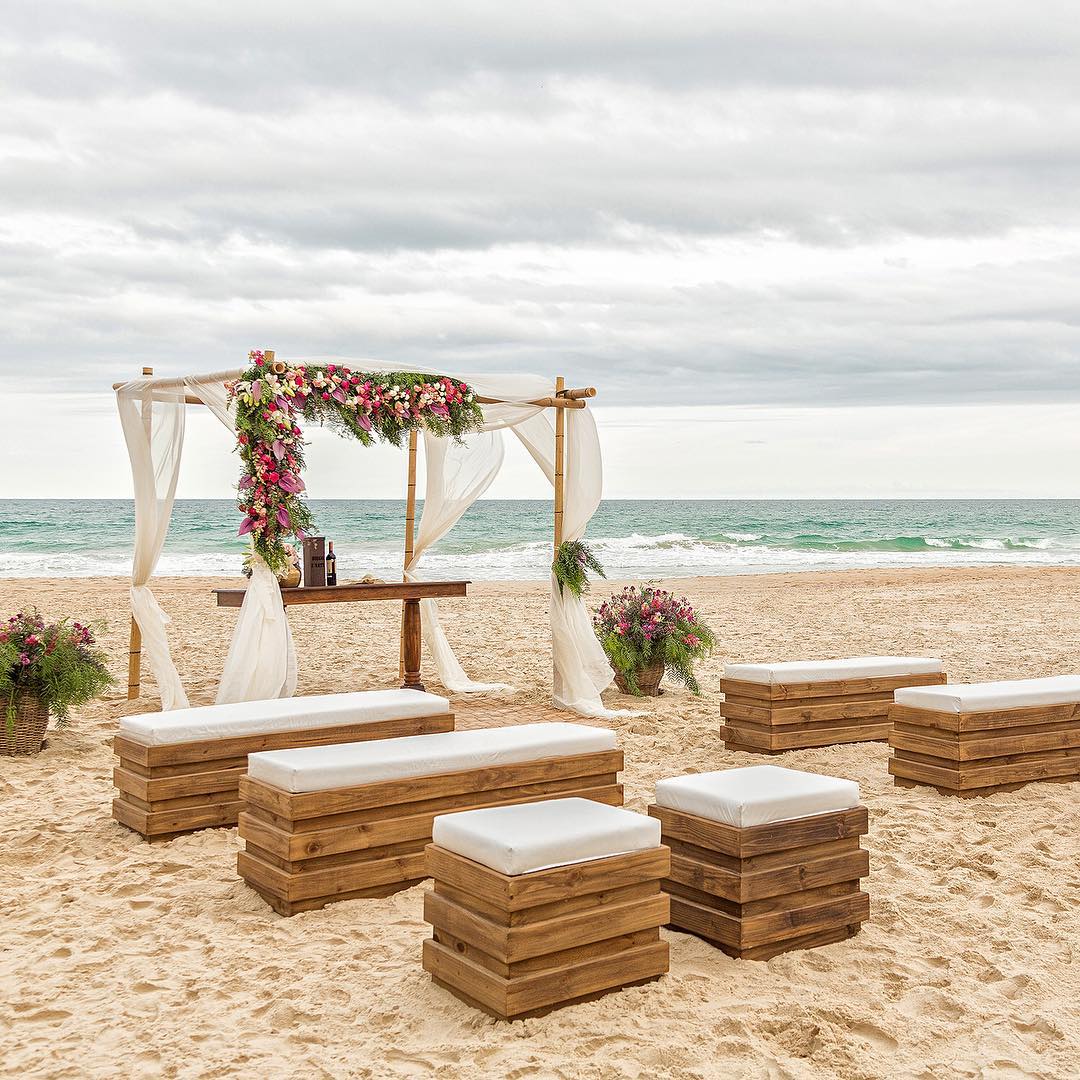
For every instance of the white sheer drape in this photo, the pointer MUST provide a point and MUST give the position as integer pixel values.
(262, 658)
(459, 473)
(153, 423)
(581, 668)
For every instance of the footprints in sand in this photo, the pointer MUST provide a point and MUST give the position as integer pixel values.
(871, 1033)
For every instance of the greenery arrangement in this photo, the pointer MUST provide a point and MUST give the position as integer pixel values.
(58, 663)
(271, 398)
(643, 626)
(574, 561)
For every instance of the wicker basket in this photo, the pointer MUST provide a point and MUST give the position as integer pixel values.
(648, 680)
(31, 720)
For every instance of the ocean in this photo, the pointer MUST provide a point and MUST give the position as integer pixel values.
(511, 539)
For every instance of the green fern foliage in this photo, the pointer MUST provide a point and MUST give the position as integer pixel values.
(574, 561)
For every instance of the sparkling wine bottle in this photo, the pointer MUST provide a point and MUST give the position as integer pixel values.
(331, 565)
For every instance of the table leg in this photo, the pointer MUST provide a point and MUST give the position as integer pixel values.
(411, 632)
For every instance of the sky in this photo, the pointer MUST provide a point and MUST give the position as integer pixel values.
(814, 249)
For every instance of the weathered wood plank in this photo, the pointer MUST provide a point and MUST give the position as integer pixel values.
(761, 839)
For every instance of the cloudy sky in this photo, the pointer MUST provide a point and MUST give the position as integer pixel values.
(817, 248)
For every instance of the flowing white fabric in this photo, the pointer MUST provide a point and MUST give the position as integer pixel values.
(262, 656)
(581, 671)
(153, 424)
(457, 475)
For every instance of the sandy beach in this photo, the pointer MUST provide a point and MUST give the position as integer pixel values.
(118, 958)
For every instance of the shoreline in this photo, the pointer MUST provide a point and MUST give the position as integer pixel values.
(210, 582)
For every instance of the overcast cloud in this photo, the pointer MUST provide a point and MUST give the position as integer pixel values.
(725, 203)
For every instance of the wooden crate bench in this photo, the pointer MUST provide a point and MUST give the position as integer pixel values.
(975, 738)
(340, 823)
(771, 708)
(180, 770)
(544, 904)
(764, 860)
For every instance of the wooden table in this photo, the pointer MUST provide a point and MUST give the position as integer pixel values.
(409, 592)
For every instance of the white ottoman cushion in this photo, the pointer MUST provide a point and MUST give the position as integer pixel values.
(279, 714)
(321, 768)
(758, 795)
(993, 696)
(811, 671)
(538, 836)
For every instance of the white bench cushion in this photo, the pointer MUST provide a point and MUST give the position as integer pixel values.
(811, 671)
(757, 795)
(538, 836)
(992, 696)
(321, 768)
(279, 714)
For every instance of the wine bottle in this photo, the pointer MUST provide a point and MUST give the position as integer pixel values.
(331, 565)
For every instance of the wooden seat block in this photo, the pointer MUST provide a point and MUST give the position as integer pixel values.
(517, 946)
(306, 850)
(764, 718)
(976, 753)
(767, 889)
(170, 789)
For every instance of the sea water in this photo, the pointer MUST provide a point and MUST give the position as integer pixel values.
(512, 539)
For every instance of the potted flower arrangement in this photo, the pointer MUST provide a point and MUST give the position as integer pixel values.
(45, 668)
(646, 632)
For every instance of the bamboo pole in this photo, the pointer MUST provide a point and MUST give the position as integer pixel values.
(558, 401)
(410, 531)
(568, 399)
(560, 479)
(135, 636)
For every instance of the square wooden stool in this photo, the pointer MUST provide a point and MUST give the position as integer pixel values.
(539, 905)
(772, 708)
(763, 859)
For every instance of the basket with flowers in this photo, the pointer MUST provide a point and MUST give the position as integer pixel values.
(45, 669)
(647, 632)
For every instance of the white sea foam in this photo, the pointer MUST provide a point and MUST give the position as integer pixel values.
(670, 554)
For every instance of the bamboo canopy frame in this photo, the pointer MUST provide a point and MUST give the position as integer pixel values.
(563, 398)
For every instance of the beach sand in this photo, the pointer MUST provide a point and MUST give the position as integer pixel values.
(118, 958)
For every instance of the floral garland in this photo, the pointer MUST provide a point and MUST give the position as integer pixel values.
(271, 397)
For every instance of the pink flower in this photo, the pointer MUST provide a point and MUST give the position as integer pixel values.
(24, 659)
(326, 396)
(283, 517)
(246, 526)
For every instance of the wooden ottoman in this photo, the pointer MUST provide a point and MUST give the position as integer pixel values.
(771, 708)
(334, 823)
(180, 770)
(977, 738)
(764, 860)
(541, 905)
